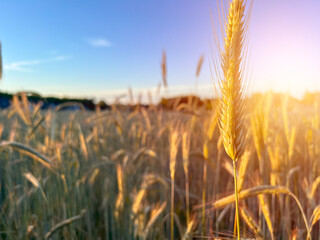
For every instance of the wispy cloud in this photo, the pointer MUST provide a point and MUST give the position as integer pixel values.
(22, 66)
(99, 42)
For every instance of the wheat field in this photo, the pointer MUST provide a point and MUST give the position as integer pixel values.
(108, 174)
(239, 167)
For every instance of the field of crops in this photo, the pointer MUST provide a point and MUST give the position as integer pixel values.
(241, 166)
(113, 174)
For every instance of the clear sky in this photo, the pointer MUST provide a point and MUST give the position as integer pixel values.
(99, 48)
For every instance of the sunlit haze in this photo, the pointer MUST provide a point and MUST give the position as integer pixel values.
(98, 49)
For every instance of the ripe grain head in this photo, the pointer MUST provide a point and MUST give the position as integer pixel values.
(231, 85)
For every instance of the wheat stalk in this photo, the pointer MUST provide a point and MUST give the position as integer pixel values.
(231, 86)
(185, 157)
(32, 179)
(231, 103)
(248, 218)
(174, 143)
(29, 152)
(315, 217)
(258, 190)
(198, 70)
(66, 222)
(164, 69)
(155, 214)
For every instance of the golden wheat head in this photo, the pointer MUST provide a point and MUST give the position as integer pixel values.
(231, 103)
(164, 69)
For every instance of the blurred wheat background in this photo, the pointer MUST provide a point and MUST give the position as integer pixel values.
(109, 174)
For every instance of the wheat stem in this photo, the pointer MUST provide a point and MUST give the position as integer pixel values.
(187, 198)
(205, 167)
(236, 195)
(172, 209)
(173, 154)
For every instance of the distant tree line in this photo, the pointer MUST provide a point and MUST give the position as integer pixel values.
(181, 103)
(48, 102)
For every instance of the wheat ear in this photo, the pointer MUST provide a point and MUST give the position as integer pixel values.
(174, 144)
(231, 103)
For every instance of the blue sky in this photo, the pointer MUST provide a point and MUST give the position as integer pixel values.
(99, 48)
